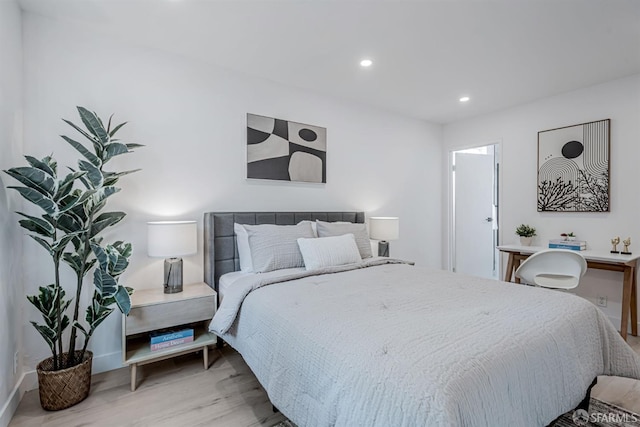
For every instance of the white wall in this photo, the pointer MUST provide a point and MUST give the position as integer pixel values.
(518, 128)
(11, 291)
(191, 116)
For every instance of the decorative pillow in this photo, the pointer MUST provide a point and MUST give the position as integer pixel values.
(244, 252)
(313, 225)
(274, 247)
(328, 251)
(359, 231)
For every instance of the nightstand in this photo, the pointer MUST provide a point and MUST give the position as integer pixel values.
(152, 309)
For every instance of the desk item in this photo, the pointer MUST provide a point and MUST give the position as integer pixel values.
(626, 243)
(574, 245)
(526, 234)
(615, 241)
(600, 260)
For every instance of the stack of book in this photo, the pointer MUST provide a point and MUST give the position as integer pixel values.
(165, 339)
(574, 245)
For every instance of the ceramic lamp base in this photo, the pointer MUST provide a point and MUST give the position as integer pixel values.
(383, 248)
(172, 275)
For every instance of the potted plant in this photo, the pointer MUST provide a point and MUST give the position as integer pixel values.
(571, 237)
(526, 234)
(68, 225)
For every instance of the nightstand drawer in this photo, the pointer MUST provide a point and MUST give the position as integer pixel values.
(159, 316)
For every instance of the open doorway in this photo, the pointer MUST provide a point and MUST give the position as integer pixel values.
(474, 211)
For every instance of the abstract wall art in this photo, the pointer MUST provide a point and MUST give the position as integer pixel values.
(573, 168)
(284, 150)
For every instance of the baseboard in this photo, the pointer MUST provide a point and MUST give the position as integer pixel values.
(107, 362)
(102, 363)
(10, 406)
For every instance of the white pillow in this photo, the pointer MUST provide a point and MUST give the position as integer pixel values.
(312, 224)
(329, 251)
(244, 251)
(274, 247)
(315, 227)
(359, 231)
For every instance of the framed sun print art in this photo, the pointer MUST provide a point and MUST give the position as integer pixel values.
(573, 168)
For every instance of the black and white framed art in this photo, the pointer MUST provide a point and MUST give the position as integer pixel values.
(573, 168)
(285, 150)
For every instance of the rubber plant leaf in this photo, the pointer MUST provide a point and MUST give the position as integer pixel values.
(116, 129)
(34, 178)
(65, 186)
(105, 220)
(83, 150)
(37, 198)
(37, 225)
(47, 333)
(114, 149)
(47, 164)
(93, 173)
(101, 256)
(110, 178)
(93, 124)
(43, 243)
(106, 285)
(123, 300)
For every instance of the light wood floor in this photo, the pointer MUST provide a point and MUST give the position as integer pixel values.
(623, 392)
(180, 393)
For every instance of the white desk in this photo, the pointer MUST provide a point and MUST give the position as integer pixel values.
(600, 260)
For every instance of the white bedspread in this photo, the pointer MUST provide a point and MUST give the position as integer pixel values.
(397, 345)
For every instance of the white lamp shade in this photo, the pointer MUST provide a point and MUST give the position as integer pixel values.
(172, 238)
(384, 227)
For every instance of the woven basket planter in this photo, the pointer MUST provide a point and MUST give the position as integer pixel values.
(65, 387)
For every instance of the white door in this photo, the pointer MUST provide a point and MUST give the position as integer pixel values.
(475, 222)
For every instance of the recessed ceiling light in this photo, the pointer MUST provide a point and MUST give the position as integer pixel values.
(465, 99)
(366, 63)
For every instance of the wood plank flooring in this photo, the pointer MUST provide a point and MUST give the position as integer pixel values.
(175, 392)
(180, 393)
(622, 392)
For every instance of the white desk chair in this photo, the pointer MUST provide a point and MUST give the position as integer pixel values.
(553, 268)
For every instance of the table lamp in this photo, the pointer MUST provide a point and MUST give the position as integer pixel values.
(384, 228)
(171, 240)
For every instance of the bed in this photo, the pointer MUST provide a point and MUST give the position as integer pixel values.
(382, 342)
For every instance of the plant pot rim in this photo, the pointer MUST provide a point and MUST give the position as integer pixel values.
(88, 356)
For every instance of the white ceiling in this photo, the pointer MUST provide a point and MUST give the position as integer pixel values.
(426, 54)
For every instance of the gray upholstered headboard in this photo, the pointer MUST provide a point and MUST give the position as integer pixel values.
(220, 249)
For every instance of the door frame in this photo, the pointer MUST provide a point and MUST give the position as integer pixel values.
(450, 200)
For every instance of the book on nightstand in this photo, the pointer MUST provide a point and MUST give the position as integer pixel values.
(168, 336)
(574, 245)
(171, 343)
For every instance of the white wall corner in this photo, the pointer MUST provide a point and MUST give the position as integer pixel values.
(10, 406)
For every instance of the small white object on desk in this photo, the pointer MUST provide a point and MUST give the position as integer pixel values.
(152, 310)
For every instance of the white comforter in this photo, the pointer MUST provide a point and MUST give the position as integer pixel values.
(398, 345)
